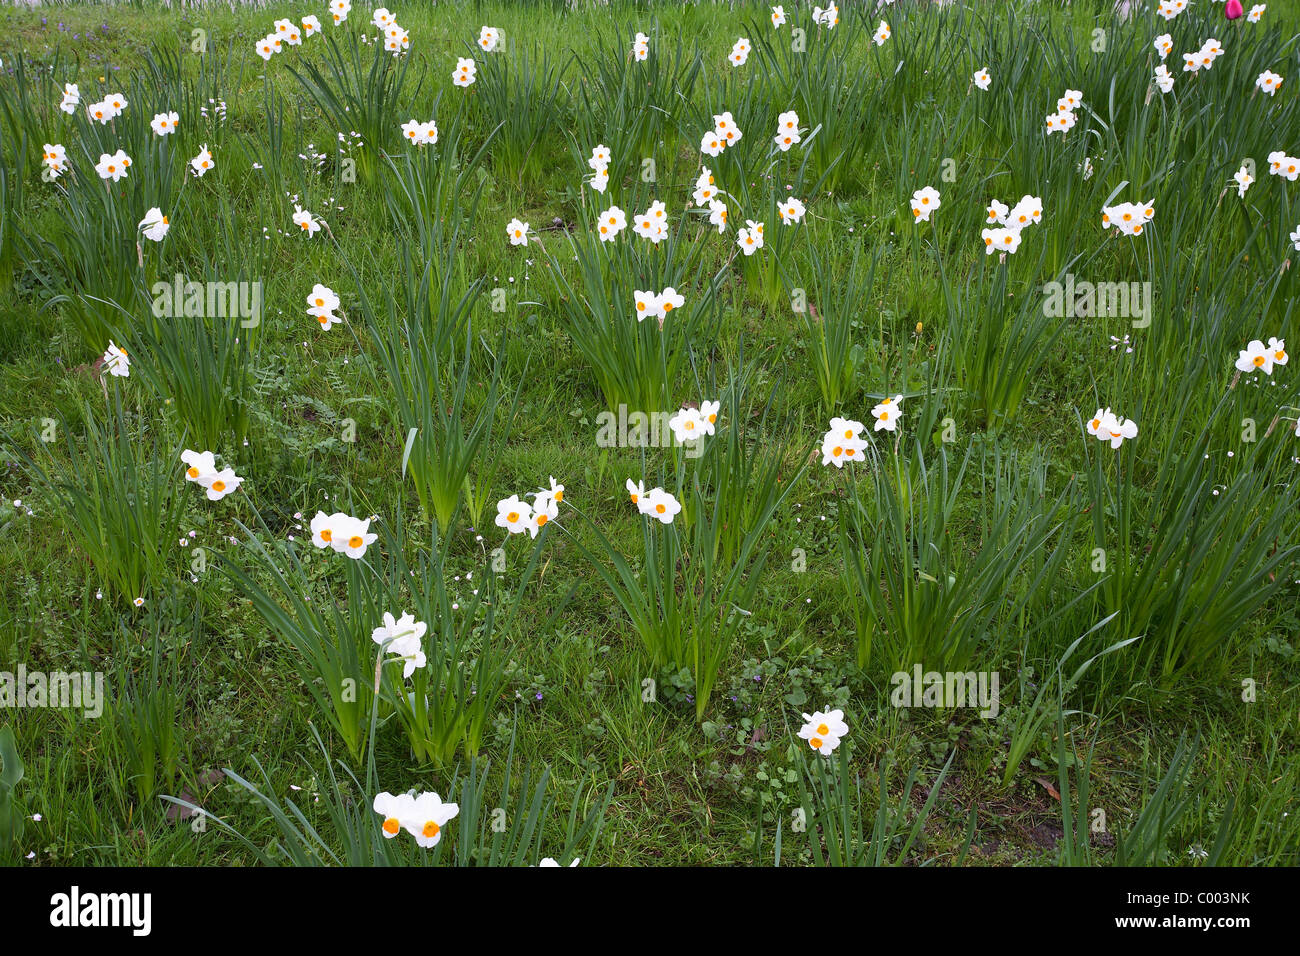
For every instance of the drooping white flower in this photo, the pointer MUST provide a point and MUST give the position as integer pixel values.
(117, 361)
(154, 224)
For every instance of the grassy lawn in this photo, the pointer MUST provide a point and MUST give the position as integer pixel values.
(609, 685)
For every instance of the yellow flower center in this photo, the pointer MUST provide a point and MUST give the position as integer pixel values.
(512, 517)
(325, 534)
(192, 472)
(823, 730)
(661, 508)
(391, 825)
(816, 743)
(218, 486)
(1259, 361)
(356, 541)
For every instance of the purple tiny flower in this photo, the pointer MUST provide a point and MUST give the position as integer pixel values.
(539, 695)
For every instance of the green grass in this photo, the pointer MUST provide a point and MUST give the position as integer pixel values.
(668, 716)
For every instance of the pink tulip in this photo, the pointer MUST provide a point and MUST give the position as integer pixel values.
(1233, 9)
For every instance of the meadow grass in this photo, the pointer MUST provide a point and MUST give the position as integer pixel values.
(630, 692)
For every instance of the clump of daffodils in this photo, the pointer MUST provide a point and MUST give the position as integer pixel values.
(725, 133)
(518, 516)
(1063, 120)
(164, 124)
(653, 223)
(924, 202)
(321, 304)
(343, 533)
(1106, 426)
(787, 130)
(71, 98)
(693, 424)
(55, 159)
(1129, 218)
(1009, 222)
(1170, 8)
(842, 442)
(599, 163)
(113, 165)
(739, 52)
(1258, 357)
(488, 39)
(641, 47)
(421, 815)
(648, 304)
(421, 134)
(656, 503)
(202, 470)
(1280, 164)
(824, 731)
(1203, 58)
(106, 110)
(1163, 79)
(286, 33)
(465, 71)
(402, 637)
(750, 238)
(610, 223)
(828, 17)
